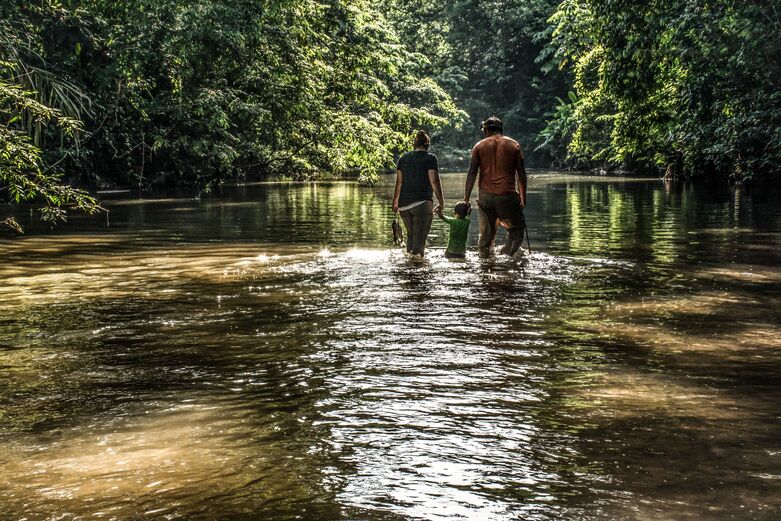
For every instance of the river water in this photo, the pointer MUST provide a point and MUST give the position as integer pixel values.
(265, 353)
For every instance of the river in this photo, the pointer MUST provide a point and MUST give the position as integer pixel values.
(265, 353)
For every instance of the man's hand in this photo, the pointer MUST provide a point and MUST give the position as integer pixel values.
(395, 205)
(439, 212)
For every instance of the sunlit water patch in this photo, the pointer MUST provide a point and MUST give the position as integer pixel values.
(267, 355)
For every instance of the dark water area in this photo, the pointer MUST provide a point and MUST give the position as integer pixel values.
(265, 353)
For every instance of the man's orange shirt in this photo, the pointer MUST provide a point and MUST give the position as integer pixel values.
(499, 158)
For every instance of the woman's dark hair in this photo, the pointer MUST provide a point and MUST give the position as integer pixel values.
(421, 139)
(492, 124)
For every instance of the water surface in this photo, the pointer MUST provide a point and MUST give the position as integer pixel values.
(266, 354)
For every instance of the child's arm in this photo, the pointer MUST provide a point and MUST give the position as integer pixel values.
(438, 211)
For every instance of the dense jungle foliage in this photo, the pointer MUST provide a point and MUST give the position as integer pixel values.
(680, 87)
(142, 93)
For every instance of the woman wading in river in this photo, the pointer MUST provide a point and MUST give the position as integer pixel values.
(417, 180)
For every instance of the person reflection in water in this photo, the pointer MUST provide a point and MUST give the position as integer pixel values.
(502, 195)
(417, 181)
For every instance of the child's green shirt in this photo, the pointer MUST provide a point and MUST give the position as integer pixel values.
(459, 229)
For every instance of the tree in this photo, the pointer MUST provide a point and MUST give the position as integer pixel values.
(687, 87)
(491, 57)
(28, 96)
(154, 92)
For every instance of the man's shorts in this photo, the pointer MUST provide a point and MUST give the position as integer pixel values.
(506, 208)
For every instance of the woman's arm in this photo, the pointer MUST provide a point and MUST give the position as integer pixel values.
(440, 212)
(397, 191)
(436, 185)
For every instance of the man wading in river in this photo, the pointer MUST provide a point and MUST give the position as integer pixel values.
(502, 194)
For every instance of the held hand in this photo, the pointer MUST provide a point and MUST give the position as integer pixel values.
(395, 206)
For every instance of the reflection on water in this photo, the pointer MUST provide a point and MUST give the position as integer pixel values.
(265, 354)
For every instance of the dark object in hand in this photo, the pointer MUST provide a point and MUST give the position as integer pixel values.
(398, 233)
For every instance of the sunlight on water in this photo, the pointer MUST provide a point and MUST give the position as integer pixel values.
(156, 453)
(269, 355)
(632, 393)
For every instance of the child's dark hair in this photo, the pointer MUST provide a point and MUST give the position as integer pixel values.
(421, 139)
(461, 209)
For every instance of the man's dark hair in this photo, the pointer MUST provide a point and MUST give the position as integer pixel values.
(421, 139)
(461, 209)
(492, 124)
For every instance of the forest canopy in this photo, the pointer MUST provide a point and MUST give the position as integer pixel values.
(145, 93)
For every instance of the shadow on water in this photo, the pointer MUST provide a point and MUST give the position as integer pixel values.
(263, 355)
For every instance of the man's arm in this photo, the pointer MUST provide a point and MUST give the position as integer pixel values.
(521, 178)
(471, 177)
(436, 184)
(397, 191)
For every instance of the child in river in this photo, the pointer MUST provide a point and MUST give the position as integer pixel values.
(459, 228)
